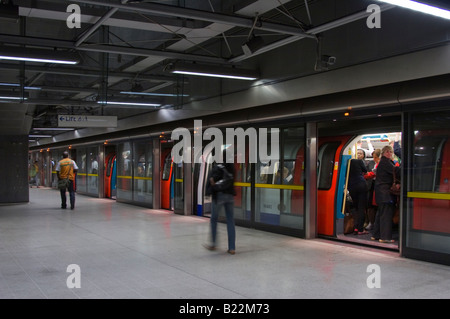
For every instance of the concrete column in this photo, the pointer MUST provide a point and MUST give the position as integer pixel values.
(156, 174)
(311, 181)
(14, 169)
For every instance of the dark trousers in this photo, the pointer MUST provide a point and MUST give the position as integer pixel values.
(359, 198)
(71, 196)
(383, 221)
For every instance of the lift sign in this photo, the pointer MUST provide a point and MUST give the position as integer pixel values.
(86, 121)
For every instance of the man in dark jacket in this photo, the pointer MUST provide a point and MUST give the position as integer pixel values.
(221, 184)
(385, 200)
(357, 187)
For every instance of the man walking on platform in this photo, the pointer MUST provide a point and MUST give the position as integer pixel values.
(66, 169)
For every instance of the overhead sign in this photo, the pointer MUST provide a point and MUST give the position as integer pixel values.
(86, 121)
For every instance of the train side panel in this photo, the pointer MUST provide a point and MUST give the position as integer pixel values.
(433, 214)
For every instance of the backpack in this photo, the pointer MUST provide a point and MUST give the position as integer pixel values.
(226, 182)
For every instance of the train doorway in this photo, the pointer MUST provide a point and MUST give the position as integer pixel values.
(166, 178)
(339, 142)
(110, 174)
(172, 180)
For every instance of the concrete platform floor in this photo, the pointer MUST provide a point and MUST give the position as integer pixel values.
(125, 251)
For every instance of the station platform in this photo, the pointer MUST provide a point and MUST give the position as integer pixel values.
(125, 251)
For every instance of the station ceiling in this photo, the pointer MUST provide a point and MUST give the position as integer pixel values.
(127, 50)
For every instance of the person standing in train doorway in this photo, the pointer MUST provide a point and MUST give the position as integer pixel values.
(357, 187)
(370, 179)
(386, 201)
(65, 170)
(220, 185)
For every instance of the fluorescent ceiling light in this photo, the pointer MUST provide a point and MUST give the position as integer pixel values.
(127, 103)
(28, 59)
(216, 75)
(37, 135)
(421, 7)
(12, 98)
(152, 94)
(37, 55)
(18, 85)
(212, 71)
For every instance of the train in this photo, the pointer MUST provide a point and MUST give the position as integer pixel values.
(304, 192)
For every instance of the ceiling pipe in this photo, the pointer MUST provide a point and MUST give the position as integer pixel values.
(313, 31)
(97, 25)
(43, 42)
(146, 52)
(155, 8)
(62, 102)
(183, 12)
(89, 73)
(94, 28)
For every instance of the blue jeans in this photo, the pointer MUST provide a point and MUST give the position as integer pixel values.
(71, 196)
(227, 201)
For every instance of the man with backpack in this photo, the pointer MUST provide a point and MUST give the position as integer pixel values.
(221, 186)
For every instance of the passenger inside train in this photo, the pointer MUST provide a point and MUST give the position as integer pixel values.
(368, 149)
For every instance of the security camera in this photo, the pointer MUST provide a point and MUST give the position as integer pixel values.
(328, 60)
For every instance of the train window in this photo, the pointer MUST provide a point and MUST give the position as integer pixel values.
(166, 168)
(267, 172)
(82, 170)
(427, 163)
(92, 173)
(124, 165)
(285, 175)
(124, 172)
(293, 146)
(142, 179)
(108, 168)
(427, 213)
(326, 156)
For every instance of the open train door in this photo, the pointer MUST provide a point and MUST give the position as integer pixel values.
(329, 153)
(175, 191)
(107, 176)
(110, 175)
(167, 186)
